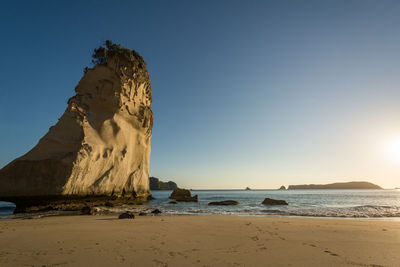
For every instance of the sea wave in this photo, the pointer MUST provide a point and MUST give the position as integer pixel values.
(367, 211)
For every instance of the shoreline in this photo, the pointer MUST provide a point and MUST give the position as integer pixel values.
(55, 213)
(22, 216)
(102, 240)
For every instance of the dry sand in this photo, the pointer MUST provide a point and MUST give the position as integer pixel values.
(199, 241)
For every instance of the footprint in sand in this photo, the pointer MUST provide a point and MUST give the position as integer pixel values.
(330, 253)
(311, 245)
(255, 238)
(160, 263)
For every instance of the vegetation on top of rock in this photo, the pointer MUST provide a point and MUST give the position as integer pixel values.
(130, 60)
(102, 54)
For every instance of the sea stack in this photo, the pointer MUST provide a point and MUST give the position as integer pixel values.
(101, 144)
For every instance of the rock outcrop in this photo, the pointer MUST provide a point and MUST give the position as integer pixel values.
(183, 195)
(224, 203)
(282, 187)
(156, 184)
(101, 144)
(270, 201)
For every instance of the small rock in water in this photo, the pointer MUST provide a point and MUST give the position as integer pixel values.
(183, 195)
(156, 211)
(142, 213)
(225, 203)
(126, 215)
(270, 201)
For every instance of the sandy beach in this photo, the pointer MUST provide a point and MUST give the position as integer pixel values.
(198, 241)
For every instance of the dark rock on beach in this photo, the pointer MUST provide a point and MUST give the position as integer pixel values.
(86, 210)
(142, 214)
(126, 215)
(156, 211)
(224, 203)
(183, 195)
(270, 201)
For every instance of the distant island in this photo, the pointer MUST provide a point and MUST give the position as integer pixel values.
(156, 184)
(349, 185)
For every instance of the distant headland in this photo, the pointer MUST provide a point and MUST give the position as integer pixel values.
(348, 185)
(156, 184)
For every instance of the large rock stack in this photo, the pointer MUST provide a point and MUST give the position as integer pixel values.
(101, 144)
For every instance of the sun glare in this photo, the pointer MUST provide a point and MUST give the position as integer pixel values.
(393, 150)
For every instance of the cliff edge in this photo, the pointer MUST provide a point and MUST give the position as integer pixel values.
(101, 144)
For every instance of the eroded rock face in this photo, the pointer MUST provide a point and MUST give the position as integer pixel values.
(101, 144)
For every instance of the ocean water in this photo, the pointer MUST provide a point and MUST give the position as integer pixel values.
(6, 208)
(315, 203)
(312, 203)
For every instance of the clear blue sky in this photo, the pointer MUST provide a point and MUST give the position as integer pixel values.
(246, 93)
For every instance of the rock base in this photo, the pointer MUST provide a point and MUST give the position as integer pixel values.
(68, 203)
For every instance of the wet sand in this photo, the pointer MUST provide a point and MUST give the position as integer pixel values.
(198, 241)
